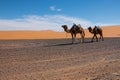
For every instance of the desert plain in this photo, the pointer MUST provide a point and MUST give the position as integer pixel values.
(33, 56)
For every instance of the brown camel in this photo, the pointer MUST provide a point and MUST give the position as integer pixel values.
(74, 30)
(96, 30)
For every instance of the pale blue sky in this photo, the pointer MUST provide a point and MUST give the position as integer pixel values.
(51, 14)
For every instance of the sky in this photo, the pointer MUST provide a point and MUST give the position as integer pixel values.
(51, 14)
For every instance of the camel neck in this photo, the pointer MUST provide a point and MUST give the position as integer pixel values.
(67, 30)
(91, 31)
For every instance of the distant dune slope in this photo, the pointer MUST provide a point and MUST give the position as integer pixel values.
(108, 31)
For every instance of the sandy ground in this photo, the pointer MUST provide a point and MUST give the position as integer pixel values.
(58, 59)
(108, 31)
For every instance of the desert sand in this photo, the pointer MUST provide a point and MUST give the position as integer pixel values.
(26, 57)
(108, 31)
(58, 59)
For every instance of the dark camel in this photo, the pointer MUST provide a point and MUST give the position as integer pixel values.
(96, 30)
(75, 29)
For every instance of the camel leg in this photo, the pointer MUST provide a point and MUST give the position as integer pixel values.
(96, 38)
(92, 38)
(82, 38)
(72, 38)
(102, 38)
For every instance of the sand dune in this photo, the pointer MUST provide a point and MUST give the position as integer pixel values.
(109, 31)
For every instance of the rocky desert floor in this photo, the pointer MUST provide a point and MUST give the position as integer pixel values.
(58, 59)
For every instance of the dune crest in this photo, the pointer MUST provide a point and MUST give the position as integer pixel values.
(108, 31)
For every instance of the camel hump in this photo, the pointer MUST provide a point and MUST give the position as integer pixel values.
(79, 25)
(98, 28)
(64, 25)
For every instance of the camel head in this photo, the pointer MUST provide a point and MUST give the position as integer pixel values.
(90, 29)
(65, 28)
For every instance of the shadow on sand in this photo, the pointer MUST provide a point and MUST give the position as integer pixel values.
(65, 44)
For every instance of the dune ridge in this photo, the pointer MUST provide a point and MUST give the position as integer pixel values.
(108, 31)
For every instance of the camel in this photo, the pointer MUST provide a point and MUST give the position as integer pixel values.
(95, 31)
(75, 29)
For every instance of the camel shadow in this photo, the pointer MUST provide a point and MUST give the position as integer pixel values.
(88, 42)
(58, 45)
(62, 44)
(66, 44)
